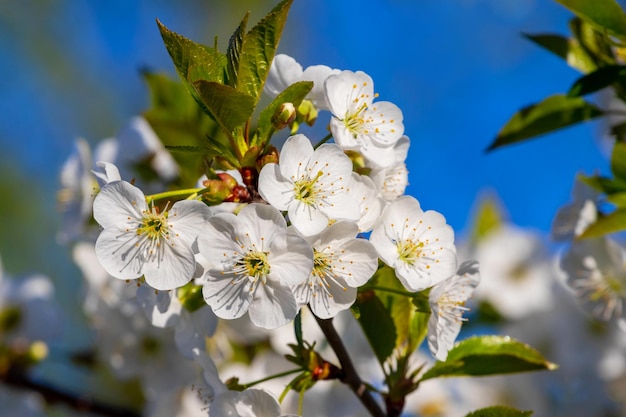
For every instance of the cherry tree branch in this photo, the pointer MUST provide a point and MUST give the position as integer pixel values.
(351, 376)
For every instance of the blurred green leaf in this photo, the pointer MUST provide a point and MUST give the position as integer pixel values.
(258, 49)
(553, 113)
(618, 161)
(595, 43)
(611, 223)
(499, 411)
(179, 123)
(597, 80)
(377, 324)
(295, 93)
(488, 218)
(488, 355)
(567, 48)
(604, 184)
(619, 199)
(603, 14)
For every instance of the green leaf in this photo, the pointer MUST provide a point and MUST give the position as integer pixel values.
(376, 323)
(179, 123)
(489, 217)
(499, 411)
(553, 113)
(258, 49)
(233, 53)
(488, 355)
(597, 80)
(618, 161)
(568, 49)
(611, 223)
(295, 93)
(193, 61)
(593, 42)
(603, 14)
(619, 199)
(230, 108)
(604, 184)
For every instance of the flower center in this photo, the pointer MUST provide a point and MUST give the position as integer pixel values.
(355, 122)
(409, 251)
(154, 225)
(253, 265)
(306, 189)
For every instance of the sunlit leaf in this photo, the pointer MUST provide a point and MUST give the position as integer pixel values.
(603, 14)
(229, 107)
(553, 113)
(603, 184)
(611, 223)
(488, 355)
(233, 54)
(499, 411)
(489, 217)
(258, 49)
(567, 48)
(619, 199)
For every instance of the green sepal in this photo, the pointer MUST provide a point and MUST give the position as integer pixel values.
(610, 223)
(602, 14)
(191, 297)
(258, 49)
(553, 113)
(597, 80)
(488, 355)
(568, 49)
(499, 411)
(295, 93)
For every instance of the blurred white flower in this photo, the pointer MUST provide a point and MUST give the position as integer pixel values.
(516, 276)
(595, 270)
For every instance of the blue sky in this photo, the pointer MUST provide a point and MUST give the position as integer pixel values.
(458, 70)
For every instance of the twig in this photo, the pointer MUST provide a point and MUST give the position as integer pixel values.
(351, 376)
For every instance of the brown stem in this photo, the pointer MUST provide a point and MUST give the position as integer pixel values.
(351, 376)
(52, 395)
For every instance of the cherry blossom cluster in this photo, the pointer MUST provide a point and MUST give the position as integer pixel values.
(313, 237)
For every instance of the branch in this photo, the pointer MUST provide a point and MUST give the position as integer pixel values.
(52, 394)
(351, 377)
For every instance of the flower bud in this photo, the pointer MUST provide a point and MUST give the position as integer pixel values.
(284, 116)
(307, 112)
(269, 157)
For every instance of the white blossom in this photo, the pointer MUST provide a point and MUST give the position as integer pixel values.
(447, 304)
(360, 124)
(313, 186)
(255, 262)
(418, 244)
(342, 263)
(285, 71)
(141, 240)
